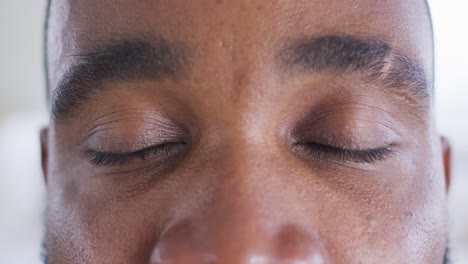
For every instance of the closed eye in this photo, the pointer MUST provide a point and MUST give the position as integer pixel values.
(162, 152)
(326, 152)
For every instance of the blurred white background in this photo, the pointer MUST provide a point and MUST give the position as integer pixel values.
(23, 112)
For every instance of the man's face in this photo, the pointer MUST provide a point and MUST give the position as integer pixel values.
(258, 131)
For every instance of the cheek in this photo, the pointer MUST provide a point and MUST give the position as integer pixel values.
(103, 218)
(395, 213)
(86, 222)
(93, 228)
(427, 224)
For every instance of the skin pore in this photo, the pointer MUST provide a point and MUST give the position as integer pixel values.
(244, 131)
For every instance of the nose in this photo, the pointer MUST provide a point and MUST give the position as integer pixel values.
(288, 244)
(252, 216)
(243, 222)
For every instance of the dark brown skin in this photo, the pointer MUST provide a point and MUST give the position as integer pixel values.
(254, 169)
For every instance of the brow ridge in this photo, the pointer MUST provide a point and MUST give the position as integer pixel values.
(124, 59)
(372, 57)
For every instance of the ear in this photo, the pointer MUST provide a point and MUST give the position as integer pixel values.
(44, 151)
(447, 159)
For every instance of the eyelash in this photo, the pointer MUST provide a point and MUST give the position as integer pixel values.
(316, 150)
(119, 159)
(326, 152)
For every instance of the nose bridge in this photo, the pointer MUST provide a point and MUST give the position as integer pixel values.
(247, 219)
(246, 197)
(250, 183)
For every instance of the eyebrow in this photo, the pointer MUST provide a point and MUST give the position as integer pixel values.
(118, 60)
(138, 59)
(373, 58)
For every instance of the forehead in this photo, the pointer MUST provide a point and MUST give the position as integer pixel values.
(237, 29)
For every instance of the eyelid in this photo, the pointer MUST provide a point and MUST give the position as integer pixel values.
(323, 152)
(121, 158)
(131, 130)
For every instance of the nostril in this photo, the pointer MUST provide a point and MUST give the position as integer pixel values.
(180, 255)
(189, 243)
(294, 245)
